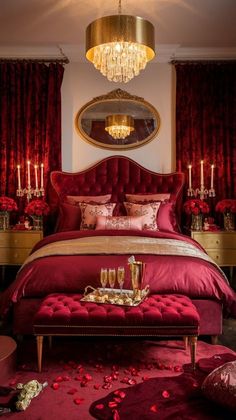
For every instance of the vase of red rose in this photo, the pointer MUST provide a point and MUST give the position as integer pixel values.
(228, 208)
(197, 209)
(7, 205)
(36, 209)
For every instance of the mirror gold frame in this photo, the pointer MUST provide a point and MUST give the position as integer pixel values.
(90, 120)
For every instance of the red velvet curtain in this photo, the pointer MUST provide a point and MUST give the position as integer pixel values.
(206, 123)
(30, 120)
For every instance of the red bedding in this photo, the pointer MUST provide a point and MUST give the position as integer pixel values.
(191, 276)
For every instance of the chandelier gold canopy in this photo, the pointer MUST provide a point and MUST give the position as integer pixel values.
(120, 45)
(119, 126)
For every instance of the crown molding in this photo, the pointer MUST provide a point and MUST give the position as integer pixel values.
(76, 53)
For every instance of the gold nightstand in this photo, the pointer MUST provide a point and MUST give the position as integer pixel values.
(220, 245)
(15, 245)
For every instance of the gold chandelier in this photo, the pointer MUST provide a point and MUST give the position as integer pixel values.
(120, 46)
(119, 126)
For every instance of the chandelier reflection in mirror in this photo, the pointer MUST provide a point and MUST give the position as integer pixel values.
(119, 126)
(120, 46)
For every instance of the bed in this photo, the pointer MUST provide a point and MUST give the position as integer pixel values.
(70, 259)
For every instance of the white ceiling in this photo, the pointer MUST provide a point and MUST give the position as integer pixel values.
(183, 28)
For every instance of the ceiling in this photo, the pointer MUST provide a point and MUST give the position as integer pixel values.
(184, 28)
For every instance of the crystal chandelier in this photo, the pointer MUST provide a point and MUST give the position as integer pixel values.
(120, 46)
(119, 126)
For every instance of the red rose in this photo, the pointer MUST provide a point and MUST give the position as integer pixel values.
(226, 206)
(37, 208)
(7, 204)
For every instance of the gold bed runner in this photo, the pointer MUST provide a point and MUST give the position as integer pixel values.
(99, 245)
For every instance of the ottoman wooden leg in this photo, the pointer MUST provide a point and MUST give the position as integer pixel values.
(193, 350)
(185, 338)
(39, 339)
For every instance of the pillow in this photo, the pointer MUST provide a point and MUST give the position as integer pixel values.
(139, 198)
(148, 211)
(120, 222)
(89, 213)
(166, 218)
(69, 218)
(219, 386)
(76, 199)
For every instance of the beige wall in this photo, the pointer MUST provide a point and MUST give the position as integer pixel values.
(155, 84)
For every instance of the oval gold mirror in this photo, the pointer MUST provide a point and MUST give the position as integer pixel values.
(118, 120)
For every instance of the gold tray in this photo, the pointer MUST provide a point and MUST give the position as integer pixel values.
(115, 297)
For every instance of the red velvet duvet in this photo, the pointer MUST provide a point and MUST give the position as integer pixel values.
(191, 276)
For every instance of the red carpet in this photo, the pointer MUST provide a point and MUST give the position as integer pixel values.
(80, 372)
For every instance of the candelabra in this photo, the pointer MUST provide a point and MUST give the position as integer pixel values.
(30, 192)
(202, 192)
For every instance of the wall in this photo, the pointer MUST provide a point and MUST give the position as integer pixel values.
(155, 84)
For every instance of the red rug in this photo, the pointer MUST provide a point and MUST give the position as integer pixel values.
(82, 374)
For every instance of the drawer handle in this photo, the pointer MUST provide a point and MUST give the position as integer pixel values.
(217, 242)
(217, 257)
(15, 241)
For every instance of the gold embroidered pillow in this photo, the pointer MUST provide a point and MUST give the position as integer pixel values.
(148, 211)
(119, 223)
(90, 212)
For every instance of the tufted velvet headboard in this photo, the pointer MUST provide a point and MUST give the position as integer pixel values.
(115, 175)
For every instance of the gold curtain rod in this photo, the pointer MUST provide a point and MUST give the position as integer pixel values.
(203, 61)
(35, 60)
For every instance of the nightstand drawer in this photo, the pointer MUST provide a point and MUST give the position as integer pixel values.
(14, 239)
(216, 240)
(13, 256)
(223, 257)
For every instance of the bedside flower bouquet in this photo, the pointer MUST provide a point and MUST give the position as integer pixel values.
(228, 208)
(196, 208)
(37, 209)
(6, 206)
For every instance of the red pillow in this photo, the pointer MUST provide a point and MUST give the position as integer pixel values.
(75, 200)
(69, 218)
(166, 218)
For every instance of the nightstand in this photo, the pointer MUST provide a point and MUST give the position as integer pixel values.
(219, 245)
(15, 245)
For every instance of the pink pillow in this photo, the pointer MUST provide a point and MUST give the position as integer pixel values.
(219, 386)
(76, 199)
(69, 218)
(166, 219)
(119, 223)
(139, 198)
(148, 211)
(90, 212)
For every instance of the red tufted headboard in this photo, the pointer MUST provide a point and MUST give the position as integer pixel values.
(115, 175)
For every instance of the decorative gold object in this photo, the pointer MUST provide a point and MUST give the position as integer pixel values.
(115, 296)
(137, 270)
(119, 126)
(28, 391)
(120, 45)
(90, 120)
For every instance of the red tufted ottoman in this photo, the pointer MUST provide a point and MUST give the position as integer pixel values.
(159, 316)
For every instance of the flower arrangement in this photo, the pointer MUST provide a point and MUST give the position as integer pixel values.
(196, 206)
(37, 208)
(7, 204)
(226, 206)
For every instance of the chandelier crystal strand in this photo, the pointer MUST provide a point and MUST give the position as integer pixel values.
(120, 46)
(119, 126)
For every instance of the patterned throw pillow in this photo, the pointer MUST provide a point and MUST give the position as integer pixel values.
(148, 211)
(220, 386)
(119, 223)
(90, 212)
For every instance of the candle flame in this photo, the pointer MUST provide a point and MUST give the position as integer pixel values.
(42, 165)
(212, 166)
(202, 161)
(190, 166)
(28, 161)
(18, 166)
(35, 166)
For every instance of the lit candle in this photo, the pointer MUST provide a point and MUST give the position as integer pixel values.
(28, 172)
(41, 175)
(18, 176)
(202, 176)
(212, 176)
(190, 176)
(36, 176)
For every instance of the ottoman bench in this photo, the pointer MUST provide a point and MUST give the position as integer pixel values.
(157, 316)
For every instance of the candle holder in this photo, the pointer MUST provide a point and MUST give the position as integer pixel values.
(202, 192)
(29, 192)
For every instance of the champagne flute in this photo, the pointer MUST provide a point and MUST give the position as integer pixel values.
(103, 278)
(112, 278)
(121, 277)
